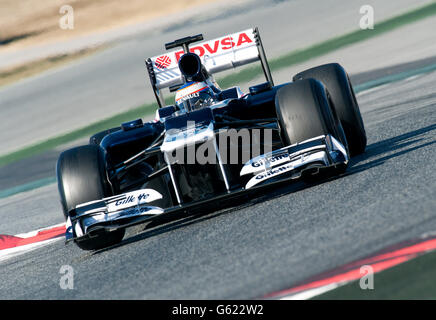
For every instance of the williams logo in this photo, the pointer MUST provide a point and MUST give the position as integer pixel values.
(162, 62)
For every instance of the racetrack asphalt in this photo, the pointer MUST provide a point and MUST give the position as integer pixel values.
(273, 243)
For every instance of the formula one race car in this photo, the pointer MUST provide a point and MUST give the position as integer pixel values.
(211, 144)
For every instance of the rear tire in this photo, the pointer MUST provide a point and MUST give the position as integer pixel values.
(81, 178)
(338, 85)
(304, 112)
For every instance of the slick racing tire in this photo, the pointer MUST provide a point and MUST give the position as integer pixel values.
(304, 112)
(81, 178)
(341, 92)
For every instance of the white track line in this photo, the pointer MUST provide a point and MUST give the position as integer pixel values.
(307, 294)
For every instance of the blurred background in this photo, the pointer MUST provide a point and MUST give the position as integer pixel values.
(69, 69)
(67, 64)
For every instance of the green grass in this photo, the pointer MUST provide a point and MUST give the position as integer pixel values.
(415, 279)
(244, 75)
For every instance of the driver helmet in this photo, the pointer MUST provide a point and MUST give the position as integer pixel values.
(196, 95)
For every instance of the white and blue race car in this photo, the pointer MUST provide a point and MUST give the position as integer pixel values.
(212, 144)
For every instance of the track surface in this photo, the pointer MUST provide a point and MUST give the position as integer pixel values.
(386, 197)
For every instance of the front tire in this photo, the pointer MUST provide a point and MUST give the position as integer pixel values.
(304, 112)
(81, 178)
(338, 84)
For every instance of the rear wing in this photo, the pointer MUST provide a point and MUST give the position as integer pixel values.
(216, 55)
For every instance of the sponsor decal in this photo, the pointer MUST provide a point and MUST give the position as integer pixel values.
(274, 172)
(131, 199)
(188, 96)
(162, 62)
(273, 159)
(264, 162)
(214, 46)
(190, 91)
(140, 211)
(269, 174)
(143, 196)
(194, 133)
